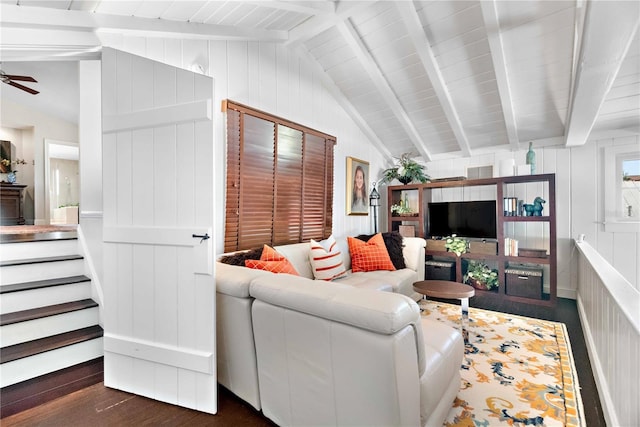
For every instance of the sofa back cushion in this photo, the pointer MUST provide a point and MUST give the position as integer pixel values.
(298, 256)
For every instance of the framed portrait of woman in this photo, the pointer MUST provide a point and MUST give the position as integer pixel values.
(357, 191)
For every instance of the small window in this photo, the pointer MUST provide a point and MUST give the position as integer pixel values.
(622, 188)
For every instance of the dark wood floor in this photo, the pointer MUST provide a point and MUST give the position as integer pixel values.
(100, 406)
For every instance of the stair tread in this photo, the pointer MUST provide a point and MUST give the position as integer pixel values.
(30, 348)
(51, 310)
(27, 261)
(25, 286)
(38, 237)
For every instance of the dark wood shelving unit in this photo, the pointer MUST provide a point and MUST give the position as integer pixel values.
(421, 193)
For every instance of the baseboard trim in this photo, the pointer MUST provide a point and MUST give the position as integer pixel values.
(36, 391)
(567, 293)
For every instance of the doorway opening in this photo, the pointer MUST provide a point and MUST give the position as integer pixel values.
(62, 181)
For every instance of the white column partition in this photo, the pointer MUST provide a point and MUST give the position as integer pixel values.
(609, 308)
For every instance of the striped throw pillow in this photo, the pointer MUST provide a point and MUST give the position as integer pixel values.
(326, 259)
(369, 256)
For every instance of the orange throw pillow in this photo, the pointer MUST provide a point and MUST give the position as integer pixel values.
(272, 261)
(369, 256)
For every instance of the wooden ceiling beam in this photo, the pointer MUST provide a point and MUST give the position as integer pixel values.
(494, 37)
(352, 38)
(609, 29)
(317, 24)
(42, 17)
(342, 100)
(423, 49)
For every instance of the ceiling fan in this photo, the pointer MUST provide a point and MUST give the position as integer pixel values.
(9, 79)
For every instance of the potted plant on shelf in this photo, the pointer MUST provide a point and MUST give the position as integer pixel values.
(456, 244)
(481, 276)
(401, 209)
(406, 170)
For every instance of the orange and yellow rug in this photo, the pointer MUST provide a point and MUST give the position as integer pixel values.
(517, 371)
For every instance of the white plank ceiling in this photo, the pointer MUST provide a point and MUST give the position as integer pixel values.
(436, 78)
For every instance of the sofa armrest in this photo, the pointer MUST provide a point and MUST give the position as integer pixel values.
(234, 280)
(413, 253)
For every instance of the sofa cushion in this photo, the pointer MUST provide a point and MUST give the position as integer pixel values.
(369, 256)
(401, 281)
(326, 259)
(298, 256)
(238, 258)
(394, 243)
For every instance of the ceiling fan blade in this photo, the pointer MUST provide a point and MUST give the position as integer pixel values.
(21, 78)
(26, 89)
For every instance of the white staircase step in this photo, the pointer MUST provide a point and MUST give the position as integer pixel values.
(36, 269)
(34, 329)
(38, 249)
(43, 363)
(41, 297)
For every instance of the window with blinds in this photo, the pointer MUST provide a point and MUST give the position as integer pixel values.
(279, 180)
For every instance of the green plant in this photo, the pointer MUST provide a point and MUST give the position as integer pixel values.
(406, 170)
(482, 273)
(400, 208)
(456, 244)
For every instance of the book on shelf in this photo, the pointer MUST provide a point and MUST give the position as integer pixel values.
(510, 206)
(510, 247)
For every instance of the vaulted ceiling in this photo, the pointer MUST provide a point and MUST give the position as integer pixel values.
(437, 78)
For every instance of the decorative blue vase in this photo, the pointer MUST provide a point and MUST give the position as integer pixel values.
(531, 158)
(11, 177)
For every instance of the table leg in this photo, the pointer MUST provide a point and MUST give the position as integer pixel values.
(422, 304)
(464, 321)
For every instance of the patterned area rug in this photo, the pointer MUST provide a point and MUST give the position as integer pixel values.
(517, 371)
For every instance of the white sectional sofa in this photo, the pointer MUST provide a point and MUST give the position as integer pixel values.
(351, 354)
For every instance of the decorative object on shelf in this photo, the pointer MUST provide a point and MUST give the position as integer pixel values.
(456, 244)
(532, 253)
(481, 276)
(407, 230)
(483, 247)
(374, 202)
(436, 245)
(400, 209)
(531, 158)
(403, 208)
(11, 172)
(407, 170)
(534, 209)
(357, 175)
(5, 165)
(524, 281)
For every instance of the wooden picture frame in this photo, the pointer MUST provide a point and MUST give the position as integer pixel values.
(357, 192)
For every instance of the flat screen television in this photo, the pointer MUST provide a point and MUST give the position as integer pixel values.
(465, 219)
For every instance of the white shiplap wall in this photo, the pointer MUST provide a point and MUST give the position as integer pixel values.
(588, 190)
(271, 78)
(579, 196)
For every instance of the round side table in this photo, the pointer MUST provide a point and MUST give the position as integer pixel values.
(449, 290)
